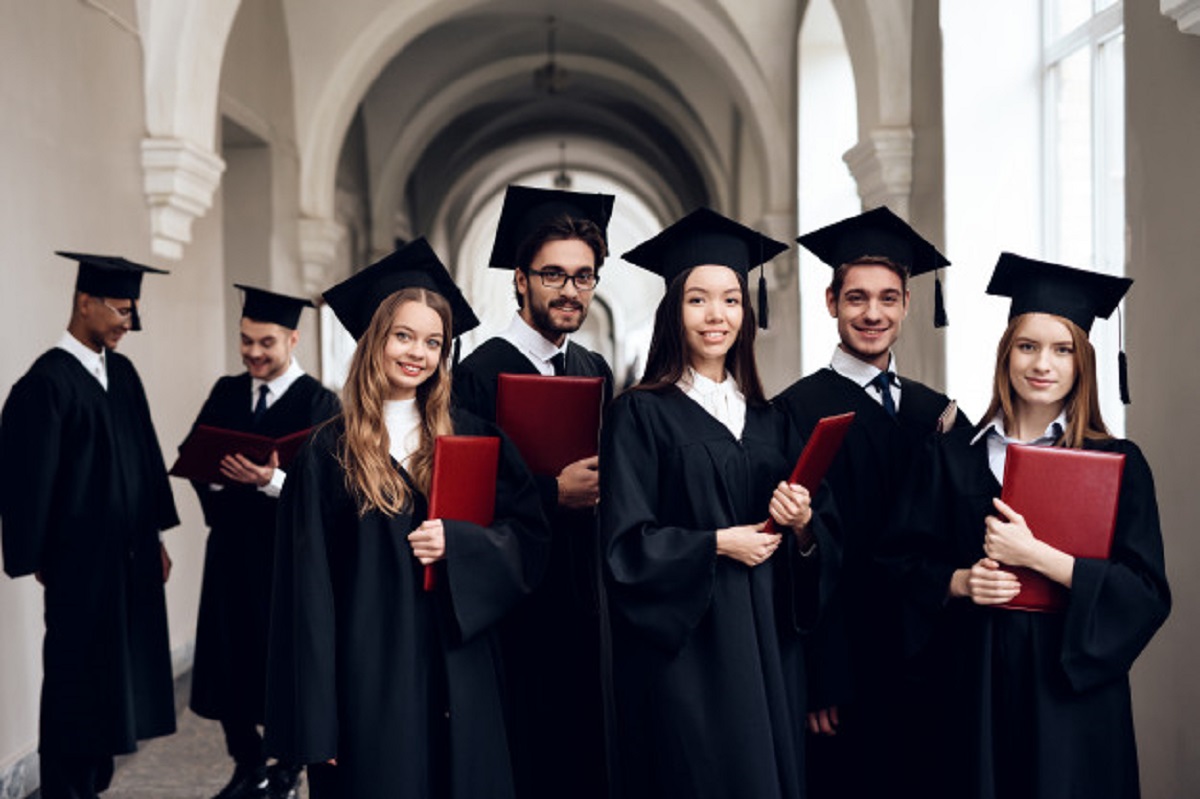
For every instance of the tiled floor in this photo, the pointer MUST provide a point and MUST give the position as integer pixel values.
(191, 764)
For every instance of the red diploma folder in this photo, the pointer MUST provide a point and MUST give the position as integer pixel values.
(554, 421)
(819, 451)
(1069, 500)
(464, 482)
(201, 453)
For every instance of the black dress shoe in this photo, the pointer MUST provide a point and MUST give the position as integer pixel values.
(283, 781)
(246, 783)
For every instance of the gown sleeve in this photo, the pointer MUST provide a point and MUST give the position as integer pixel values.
(30, 446)
(301, 713)
(490, 568)
(1117, 604)
(660, 577)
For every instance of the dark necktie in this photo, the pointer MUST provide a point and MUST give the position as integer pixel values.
(559, 362)
(260, 407)
(883, 381)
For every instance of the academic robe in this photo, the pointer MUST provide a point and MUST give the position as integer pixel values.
(1035, 705)
(400, 685)
(230, 667)
(708, 669)
(554, 666)
(83, 494)
(854, 656)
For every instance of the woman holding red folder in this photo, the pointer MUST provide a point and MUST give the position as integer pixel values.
(393, 690)
(706, 605)
(1036, 704)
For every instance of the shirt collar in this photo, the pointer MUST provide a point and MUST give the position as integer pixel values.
(279, 385)
(530, 341)
(858, 371)
(91, 360)
(692, 382)
(995, 427)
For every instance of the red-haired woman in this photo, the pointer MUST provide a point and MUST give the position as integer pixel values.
(1037, 704)
(395, 688)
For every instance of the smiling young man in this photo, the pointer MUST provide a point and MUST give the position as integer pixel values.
(862, 731)
(554, 241)
(273, 397)
(84, 497)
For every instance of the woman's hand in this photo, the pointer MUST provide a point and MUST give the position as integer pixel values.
(985, 583)
(1009, 540)
(747, 543)
(428, 541)
(791, 506)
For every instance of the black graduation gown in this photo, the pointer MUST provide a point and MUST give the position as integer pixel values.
(84, 494)
(1036, 705)
(400, 685)
(854, 655)
(229, 671)
(708, 670)
(552, 642)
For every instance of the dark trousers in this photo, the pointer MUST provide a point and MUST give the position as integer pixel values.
(75, 776)
(243, 743)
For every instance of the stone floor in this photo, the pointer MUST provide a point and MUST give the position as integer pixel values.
(191, 764)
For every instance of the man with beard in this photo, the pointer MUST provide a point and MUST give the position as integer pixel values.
(274, 398)
(555, 243)
(866, 719)
(84, 497)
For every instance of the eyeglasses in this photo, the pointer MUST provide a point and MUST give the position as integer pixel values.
(557, 279)
(124, 313)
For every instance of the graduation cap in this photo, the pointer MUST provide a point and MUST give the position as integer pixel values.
(526, 210)
(1075, 294)
(706, 237)
(879, 233)
(111, 276)
(267, 306)
(415, 265)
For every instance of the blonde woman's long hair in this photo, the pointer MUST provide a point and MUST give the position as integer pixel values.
(363, 448)
(1082, 404)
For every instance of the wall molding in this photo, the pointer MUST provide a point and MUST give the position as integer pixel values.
(180, 181)
(882, 166)
(319, 240)
(1185, 13)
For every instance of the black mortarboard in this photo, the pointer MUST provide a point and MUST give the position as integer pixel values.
(1075, 294)
(415, 265)
(706, 237)
(879, 233)
(267, 306)
(111, 276)
(527, 209)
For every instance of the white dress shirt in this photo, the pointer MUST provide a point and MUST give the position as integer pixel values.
(275, 390)
(998, 441)
(724, 401)
(863, 373)
(532, 344)
(94, 362)
(403, 421)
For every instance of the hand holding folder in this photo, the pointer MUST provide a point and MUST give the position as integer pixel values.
(202, 451)
(819, 451)
(464, 483)
(1068, 498)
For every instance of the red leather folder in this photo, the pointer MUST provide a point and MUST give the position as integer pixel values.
(1069, 500)
(464, 482)
(818, 454)
(201, 453)
(554, 421)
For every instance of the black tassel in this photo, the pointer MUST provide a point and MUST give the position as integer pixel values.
(764, 310)
(939, 304)
(1123, 376)
(457, 351)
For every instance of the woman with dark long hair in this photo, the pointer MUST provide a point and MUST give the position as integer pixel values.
(706, 604)
(1036, 704)
(392, 690)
